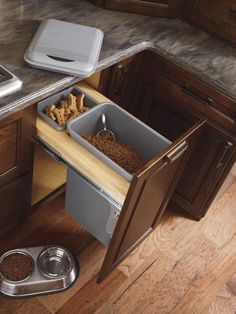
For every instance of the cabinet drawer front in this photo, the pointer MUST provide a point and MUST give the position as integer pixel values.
(200, 96)
(223, 12)
(217, 16)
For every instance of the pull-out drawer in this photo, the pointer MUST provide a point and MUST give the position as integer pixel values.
(141, 202)
(182, 86)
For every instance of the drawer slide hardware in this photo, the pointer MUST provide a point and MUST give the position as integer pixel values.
(54, 155)
(111, 222)
(57, 157)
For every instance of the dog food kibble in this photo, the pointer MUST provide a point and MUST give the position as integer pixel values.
(16, 267)
(124, 155)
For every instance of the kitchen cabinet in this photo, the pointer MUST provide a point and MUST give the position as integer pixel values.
(144, 200)
(14, 202)
(165, 98)
(16, 155)
(213, 152)
(218, 17)
(164, 8)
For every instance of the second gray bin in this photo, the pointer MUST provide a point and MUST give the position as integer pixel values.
(127, 129)
(91, 207)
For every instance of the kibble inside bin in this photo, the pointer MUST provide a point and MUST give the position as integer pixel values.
(128, 130)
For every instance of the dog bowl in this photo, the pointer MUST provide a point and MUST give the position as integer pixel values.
(54, 262)
(53, 269)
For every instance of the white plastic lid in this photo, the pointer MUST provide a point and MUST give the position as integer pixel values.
(65, 47)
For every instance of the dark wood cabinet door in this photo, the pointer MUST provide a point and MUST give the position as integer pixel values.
(216, 16)
(14, 203)
(147, 198)
(118, 82)
(210, 162)
(163, 8)
(15, 144)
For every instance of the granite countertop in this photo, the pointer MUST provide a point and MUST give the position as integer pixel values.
(208, 58)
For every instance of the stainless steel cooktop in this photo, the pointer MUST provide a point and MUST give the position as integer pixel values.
(9, 83)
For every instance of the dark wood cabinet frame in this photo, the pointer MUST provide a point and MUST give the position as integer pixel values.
(144, 7)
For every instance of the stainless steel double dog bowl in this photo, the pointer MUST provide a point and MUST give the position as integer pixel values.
(53, 269)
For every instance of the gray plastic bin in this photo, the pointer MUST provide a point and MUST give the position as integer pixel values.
(127, 128)
(55, 99)
(91, 207)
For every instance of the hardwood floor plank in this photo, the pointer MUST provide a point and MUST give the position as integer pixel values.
(160, 295)
(224, 303)
(224, 211)
(134, 298)
(144, 255)
(90, 262)
(21, 306)
(174, 233)
(134, 266)
(35, 224)
(92, 295)
(204, 289)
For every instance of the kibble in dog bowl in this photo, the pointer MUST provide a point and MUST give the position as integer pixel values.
(37, 270)
(16, 266)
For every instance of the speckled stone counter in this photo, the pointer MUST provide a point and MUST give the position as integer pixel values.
(125, 34)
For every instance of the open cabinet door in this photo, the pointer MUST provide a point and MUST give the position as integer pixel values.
(147, 198)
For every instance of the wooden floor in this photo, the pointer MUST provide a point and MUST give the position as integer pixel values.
(183, 267)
